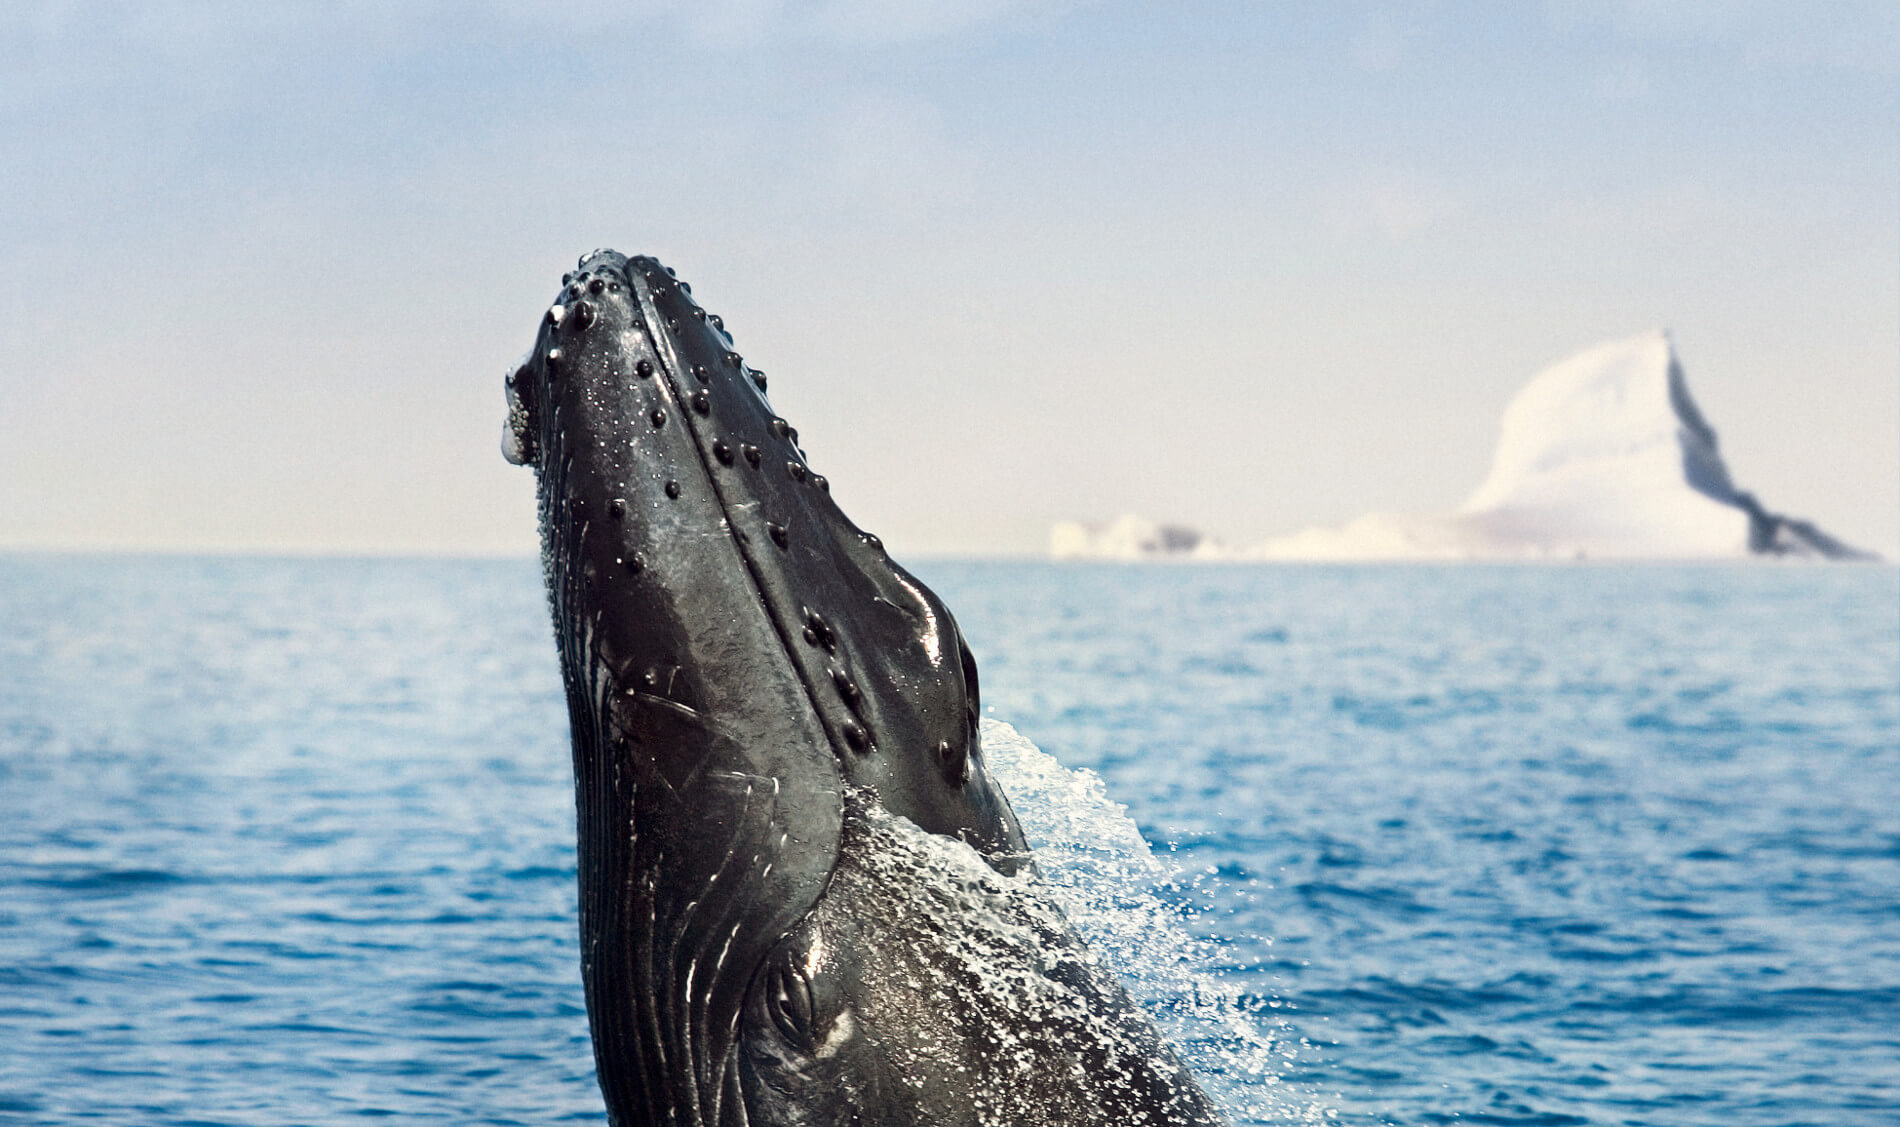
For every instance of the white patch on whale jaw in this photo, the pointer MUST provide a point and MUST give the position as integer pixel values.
(843, 1028)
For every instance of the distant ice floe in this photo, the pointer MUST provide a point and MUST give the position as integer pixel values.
(1129, 537)
(1603, 455)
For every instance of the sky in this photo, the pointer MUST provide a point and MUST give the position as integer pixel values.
(1245, 266)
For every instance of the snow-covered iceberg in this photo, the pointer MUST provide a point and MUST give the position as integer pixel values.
(1129, 537)
(1601, 455)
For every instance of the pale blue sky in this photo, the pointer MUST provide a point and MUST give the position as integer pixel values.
(1248, 266)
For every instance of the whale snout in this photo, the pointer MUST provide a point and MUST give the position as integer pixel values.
(634, 395)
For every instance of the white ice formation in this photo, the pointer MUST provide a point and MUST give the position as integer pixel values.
(1603, 455)
(1129, 537)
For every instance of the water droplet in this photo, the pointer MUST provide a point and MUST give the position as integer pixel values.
(617, 508)
(751, 453)
(657, 418)
(579, 507)
(596, 286)
(856, 736)
(673, 489)
(796, 469)
(722, 452)
(673, 323)
(555, 358)
(777, 533)
(702, 402)
(644, 369)
(651, 678)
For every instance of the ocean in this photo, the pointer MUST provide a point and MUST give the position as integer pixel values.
(291, 841)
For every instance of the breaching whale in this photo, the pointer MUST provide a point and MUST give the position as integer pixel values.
(803, 899)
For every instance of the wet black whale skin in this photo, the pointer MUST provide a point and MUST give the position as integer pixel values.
(751, 683)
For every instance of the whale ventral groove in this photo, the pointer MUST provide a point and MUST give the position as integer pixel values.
(779, 772)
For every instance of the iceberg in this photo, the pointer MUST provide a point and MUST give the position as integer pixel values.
(1129, 537)
(1603, 455)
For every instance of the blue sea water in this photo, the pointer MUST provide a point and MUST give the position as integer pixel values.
(291, 841)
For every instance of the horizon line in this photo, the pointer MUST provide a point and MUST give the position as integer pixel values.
(359, 553)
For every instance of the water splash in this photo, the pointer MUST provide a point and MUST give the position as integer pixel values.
(1133, 909)
(976, 976)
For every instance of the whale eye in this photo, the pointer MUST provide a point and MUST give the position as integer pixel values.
(789, 1002)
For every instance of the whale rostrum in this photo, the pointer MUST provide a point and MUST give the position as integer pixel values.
(803, 899)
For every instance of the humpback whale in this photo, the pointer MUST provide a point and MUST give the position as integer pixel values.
(804, 900)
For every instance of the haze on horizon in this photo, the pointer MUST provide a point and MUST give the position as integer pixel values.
(1248, 267)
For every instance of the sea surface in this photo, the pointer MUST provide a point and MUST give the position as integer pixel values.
(291, 841)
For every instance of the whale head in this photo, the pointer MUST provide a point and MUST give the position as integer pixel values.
(796, 874)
